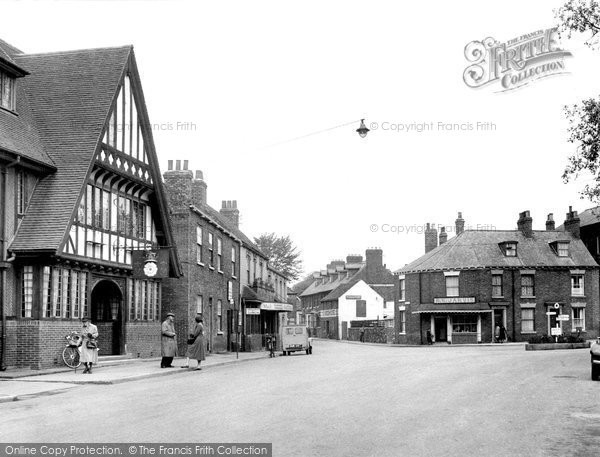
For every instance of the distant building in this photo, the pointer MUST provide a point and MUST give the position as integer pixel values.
(350, 291)
(522, 279)
(81, 197)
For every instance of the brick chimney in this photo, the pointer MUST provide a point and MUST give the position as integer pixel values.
(178, 184)
(199, 190)
(352, 258)
(525, 224)
(374, 261)
(550, 222)
(230, 210)
(443, 235)
(572, 223)
(459, 224)
(431, 237)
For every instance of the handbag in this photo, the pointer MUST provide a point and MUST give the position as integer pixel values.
(91, 344)
(191, 339)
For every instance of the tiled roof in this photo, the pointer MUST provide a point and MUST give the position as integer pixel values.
(589, 216)
(18, 132)
(229, 225)
(318, 287)
(480, 249)
(341, 289)
(70, 94)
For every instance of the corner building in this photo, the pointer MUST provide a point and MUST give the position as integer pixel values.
(531, 281)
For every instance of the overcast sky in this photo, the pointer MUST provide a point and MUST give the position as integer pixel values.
(247, 81)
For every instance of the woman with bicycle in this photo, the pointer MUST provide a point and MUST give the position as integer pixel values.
(89, 346)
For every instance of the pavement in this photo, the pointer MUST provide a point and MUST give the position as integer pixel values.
(20, 384)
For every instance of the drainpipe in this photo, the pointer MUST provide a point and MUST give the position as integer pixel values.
(514, 304)
(4, 259)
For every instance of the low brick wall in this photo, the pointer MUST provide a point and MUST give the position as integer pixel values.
(384, 335)
(253, 343)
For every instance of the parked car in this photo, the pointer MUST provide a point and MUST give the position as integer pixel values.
(295, 338)
(595, 351)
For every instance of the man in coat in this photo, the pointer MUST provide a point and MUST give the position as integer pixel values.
(168, 341)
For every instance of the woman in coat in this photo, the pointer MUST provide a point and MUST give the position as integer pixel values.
(196, 349)
(88, 355)
(168, 341)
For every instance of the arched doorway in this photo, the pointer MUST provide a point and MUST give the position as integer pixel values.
(107, 314)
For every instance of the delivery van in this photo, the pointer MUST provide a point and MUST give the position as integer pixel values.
(295, 338)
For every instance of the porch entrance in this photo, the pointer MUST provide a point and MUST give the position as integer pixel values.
(107, 315)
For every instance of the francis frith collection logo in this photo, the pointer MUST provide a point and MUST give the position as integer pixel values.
(515, 63)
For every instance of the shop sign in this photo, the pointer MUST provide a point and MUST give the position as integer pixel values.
(562, 317)
(277, 307)
(556, 331)
(447, 300)
(328, 313)
(353, 297)
(252, 311)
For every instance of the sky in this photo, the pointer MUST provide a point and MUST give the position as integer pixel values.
(251, 93)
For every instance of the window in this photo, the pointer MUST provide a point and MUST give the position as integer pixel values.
(361, 308)
(219, 254)
(577, 285)
(261, 270)
(27, 291)
(510, 249)
(199, 304)
(199, 245)
(143, 301)
(211, 249)
(233, 259)
(451, 286)
(64, 292)
(464, 323)
(7, 91)
(402, 321)
(527, 320)
(220, 315)
(402, 289)
(254, 263)
(21, 193)
(497, 285)
(527, 286)
(578, 319)
(248, 267)
(562, 249)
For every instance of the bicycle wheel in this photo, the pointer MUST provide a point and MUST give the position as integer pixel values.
(70, 356)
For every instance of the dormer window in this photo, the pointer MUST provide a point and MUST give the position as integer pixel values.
(509, 248)
(561, 248)
(7, 91)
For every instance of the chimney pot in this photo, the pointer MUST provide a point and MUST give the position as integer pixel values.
(572, 223)
(185, 164)
(525, 224)
(170, 166)
(178, 164)
(459, 224)
(199, 174)
(443, 235)
(431, 238)
(550, 225)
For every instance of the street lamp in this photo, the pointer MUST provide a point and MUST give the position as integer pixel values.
(362, 130)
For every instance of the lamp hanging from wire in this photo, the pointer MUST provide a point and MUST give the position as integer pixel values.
(362, 130)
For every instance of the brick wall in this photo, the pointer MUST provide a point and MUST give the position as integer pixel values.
(372, 334)
(143, 339)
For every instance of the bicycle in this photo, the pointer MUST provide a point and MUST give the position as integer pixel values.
(71, 353)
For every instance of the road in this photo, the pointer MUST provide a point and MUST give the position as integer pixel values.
(344, 400)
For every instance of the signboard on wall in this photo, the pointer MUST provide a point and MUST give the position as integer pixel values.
(150, 264)
(328, 313)
(277, 307)
(353, 297)
(447, 300)
(252, 311)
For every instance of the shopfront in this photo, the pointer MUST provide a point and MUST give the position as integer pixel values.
(464, 325)
(263, 319)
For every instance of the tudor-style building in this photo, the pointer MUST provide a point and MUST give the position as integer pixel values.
(81, 196)
(534, 282)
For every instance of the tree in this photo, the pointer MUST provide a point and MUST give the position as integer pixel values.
(282, 254)
(583, 16)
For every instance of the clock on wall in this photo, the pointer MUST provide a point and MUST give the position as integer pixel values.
(150, 266)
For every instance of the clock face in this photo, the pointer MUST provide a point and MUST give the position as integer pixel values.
(150, 269)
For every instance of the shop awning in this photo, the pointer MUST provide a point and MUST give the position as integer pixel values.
(455, 308)
(280, 307)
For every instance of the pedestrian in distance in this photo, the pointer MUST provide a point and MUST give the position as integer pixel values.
(89, 346)
(362, 334)
(168, 342)
(497, 333)
(195, 348)
(429, 338)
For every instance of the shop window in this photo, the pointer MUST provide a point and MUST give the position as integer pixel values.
(464, 323)
(528, 320)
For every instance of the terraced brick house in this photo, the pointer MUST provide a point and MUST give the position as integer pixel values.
(81, 196)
